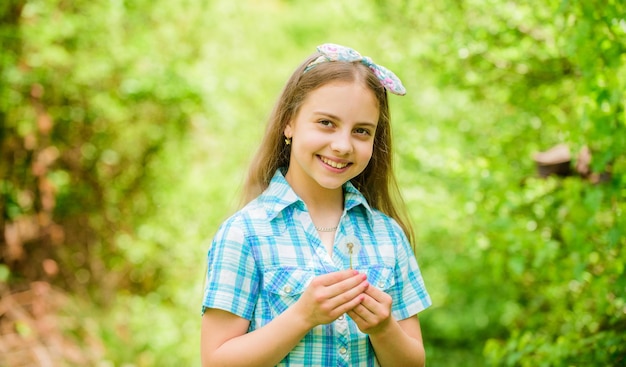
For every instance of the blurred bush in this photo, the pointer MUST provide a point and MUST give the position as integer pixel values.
(535, 266)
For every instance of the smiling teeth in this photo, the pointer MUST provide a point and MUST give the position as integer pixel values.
(334, 164)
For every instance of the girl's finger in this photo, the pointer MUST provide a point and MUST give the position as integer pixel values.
(334, 278)
(361, 316)
(379, 297)
(350, 294)
(369, 304)
(345, 285)
(348, 306)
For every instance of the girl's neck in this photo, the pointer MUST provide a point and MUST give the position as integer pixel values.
(316, 197)
(325, 210)
(325, 207)
(322, 201)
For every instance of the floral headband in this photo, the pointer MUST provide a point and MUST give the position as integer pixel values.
(333, 52)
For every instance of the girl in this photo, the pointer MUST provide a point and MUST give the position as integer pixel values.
(317, 269)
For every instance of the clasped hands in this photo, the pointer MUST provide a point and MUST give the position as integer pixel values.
(331, 295)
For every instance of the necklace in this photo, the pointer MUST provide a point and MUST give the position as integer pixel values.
(326, 229)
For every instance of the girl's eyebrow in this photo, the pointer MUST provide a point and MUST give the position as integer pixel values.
(333, 117)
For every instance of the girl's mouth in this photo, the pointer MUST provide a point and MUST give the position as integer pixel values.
(338, 165)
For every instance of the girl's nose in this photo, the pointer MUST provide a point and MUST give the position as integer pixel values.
(341, 143)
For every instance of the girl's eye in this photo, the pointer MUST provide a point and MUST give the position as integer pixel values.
(362, 131)
(326, 122)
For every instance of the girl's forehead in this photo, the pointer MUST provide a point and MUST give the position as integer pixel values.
(344, 100)
(357, 82)
(328, 92)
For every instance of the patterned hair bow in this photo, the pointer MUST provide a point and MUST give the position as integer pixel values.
(333, 52)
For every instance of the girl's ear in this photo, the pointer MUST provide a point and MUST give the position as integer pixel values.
(288, 130)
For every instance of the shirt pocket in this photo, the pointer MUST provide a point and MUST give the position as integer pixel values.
(380, 276)
(284, 286)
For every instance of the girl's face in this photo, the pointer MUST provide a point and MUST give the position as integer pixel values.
(332, 136)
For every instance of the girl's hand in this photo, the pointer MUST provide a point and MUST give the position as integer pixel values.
(373, 314)
(330, 296)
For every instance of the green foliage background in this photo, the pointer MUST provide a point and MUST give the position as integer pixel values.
(126, 128)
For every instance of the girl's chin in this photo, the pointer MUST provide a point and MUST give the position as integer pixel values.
(333, 184)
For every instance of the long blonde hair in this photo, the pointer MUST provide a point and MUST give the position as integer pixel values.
(377, 182)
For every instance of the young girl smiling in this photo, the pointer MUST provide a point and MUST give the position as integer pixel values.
(317, 268)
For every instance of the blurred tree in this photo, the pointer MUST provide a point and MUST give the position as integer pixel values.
(83, 118)
(545, 257)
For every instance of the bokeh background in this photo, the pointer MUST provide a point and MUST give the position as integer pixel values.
(126, 128)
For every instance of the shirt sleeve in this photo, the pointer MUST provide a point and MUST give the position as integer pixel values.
(409, 293)
(232, 280)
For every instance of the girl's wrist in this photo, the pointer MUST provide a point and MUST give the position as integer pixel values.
(386, 331)
(298, 317)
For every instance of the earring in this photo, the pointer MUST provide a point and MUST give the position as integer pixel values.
(287, 141)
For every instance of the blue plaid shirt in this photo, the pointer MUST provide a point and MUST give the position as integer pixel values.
(265, 255)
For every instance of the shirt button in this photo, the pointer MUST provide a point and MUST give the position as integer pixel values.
(381, 284)
(343, 350)
(287, 289)
(340, 317)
